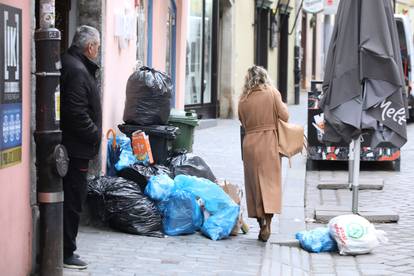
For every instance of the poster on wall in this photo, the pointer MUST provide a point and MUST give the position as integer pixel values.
(10, 86)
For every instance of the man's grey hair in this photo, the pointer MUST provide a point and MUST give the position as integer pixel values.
(85, 35)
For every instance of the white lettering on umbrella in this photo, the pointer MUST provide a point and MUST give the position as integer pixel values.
(397, 115)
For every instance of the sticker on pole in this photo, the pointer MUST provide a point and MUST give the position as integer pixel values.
(57, 103)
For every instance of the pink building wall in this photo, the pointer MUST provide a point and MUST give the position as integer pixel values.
(118, 65)
(15, 212)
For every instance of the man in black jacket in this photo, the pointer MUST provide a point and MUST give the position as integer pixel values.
(81, 124)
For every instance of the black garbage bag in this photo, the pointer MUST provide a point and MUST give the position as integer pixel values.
(95, 198)
(140, 174)
(190, 164)
(148, 95)
(125, 207)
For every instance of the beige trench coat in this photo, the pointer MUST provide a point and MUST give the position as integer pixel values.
(258, 115)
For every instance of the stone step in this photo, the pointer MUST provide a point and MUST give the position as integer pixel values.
(376, 215)
(337, 184)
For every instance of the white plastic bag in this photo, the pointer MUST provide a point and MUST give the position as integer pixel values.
(355, 235)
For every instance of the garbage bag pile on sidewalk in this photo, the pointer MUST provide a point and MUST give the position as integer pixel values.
(153, 185)
(221, 212)
(350, 234)
(178, 206)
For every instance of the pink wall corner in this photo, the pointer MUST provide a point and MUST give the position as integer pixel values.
(118, 65)
(15, 212)
(182, 13)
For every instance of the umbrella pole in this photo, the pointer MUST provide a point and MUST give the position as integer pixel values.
(355, 174)
(350, 164)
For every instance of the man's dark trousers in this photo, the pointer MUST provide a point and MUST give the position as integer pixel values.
(75, 191)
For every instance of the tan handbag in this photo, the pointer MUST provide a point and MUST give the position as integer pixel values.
(291, 138)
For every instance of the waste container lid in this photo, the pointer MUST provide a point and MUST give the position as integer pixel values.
(168, 132)
(184, 117)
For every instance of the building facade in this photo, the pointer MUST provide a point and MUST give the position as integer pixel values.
(206, 47)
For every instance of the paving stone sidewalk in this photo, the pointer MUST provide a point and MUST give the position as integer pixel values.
(394, 258)
(113, 253)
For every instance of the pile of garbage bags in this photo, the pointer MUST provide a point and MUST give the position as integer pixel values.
(203, 205)
(177, 199)
(349, 234)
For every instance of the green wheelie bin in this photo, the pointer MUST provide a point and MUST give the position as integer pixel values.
(186, 121)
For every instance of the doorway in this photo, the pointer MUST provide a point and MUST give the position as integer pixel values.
(261, 36)
(283, 53)
(303, 43)
(202, 58)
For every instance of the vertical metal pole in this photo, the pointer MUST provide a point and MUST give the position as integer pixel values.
(355, 174)
(51, 157)
(351, 164)
(297, 73)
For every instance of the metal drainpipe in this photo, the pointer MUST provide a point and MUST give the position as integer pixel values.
(51, 157)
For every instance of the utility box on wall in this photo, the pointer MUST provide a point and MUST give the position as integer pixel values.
(10, 86)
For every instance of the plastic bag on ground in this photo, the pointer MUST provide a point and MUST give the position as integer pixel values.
(140, 174)
(190, 164)
(126, 208)
(126, 157)
(223, 210)
(159, 187)
(317, 240)
(181, 214)
(148, 95)
(355, 234)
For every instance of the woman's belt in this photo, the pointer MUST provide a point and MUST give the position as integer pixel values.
(260, 128)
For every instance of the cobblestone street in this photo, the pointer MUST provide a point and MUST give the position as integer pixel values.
(394, 258)
(114, 253)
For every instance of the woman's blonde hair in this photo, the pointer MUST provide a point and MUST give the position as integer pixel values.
(256, 77)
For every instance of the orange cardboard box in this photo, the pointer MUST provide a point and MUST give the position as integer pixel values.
(141, 147)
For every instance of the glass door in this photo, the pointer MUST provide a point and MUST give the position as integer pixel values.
(201, 57)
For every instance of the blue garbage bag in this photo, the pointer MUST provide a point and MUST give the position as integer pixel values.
(159, 187)
(113, 152)
(223, 210)
(126, 157)
(181, 214)
(317, 240)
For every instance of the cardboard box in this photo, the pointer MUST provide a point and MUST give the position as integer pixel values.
(141, 147)
(236, 194)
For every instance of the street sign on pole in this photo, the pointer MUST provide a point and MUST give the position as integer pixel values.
(330, 7)
(313, 6)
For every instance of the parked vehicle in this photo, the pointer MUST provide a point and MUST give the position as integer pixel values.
(407, 56)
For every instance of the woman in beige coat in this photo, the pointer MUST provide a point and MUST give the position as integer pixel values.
(260, 106)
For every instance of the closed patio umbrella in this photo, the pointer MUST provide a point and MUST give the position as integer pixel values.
(363, 89)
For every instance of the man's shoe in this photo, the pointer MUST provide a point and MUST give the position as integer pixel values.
(74, 263)
(76, 256)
